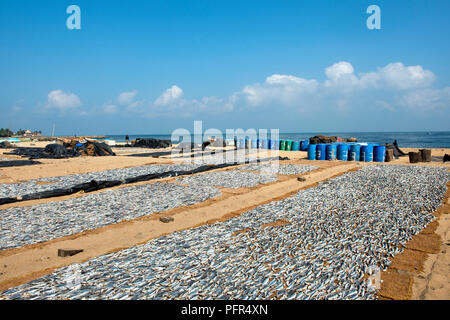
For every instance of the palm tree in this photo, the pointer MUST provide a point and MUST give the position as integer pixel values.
(5, 132)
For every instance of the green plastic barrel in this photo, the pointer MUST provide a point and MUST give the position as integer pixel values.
(282, 145)
(288, 145)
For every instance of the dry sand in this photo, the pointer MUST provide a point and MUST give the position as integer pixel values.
(434, 281)
(421, 272)
(62, 167)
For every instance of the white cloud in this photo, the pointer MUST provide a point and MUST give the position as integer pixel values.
(397, 75)
(399, 85)
(283, 89)
(110, 109)
(339, 70)
(394, 76)
(127, 97)
(63, 101)
(425, 99)
(136, 106)
(170, 97)
(172, 103)
(391, 87)
(286, 80)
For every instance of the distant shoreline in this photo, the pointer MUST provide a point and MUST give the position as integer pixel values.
(419, 139)
(425, 139)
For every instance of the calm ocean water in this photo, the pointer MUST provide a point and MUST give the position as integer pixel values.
(405, 139)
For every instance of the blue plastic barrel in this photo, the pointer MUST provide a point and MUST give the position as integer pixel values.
(331, 152)
(254, 143)
(321, 151)
(296, 146)
(248, 143)
(367, 153)
(353, 154)
(349, 144)
(304, 145)
(342, 152)
(379, 153)
(312, 152)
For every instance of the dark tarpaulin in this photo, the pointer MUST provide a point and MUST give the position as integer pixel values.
(397, 151)
(40, 153)
(151, 143)
(94, 148)
(58, 151)
(18, 163)
(5, 145)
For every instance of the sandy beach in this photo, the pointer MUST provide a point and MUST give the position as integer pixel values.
(420, 271)
(217, 158)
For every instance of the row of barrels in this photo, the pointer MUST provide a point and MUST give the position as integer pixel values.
(332, 151)
(272, 144)
(347, 152)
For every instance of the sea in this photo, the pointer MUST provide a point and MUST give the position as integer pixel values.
(423, 139)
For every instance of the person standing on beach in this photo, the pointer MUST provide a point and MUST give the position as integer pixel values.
(127, 138)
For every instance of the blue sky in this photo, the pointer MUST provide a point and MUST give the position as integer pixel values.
(154, 66)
